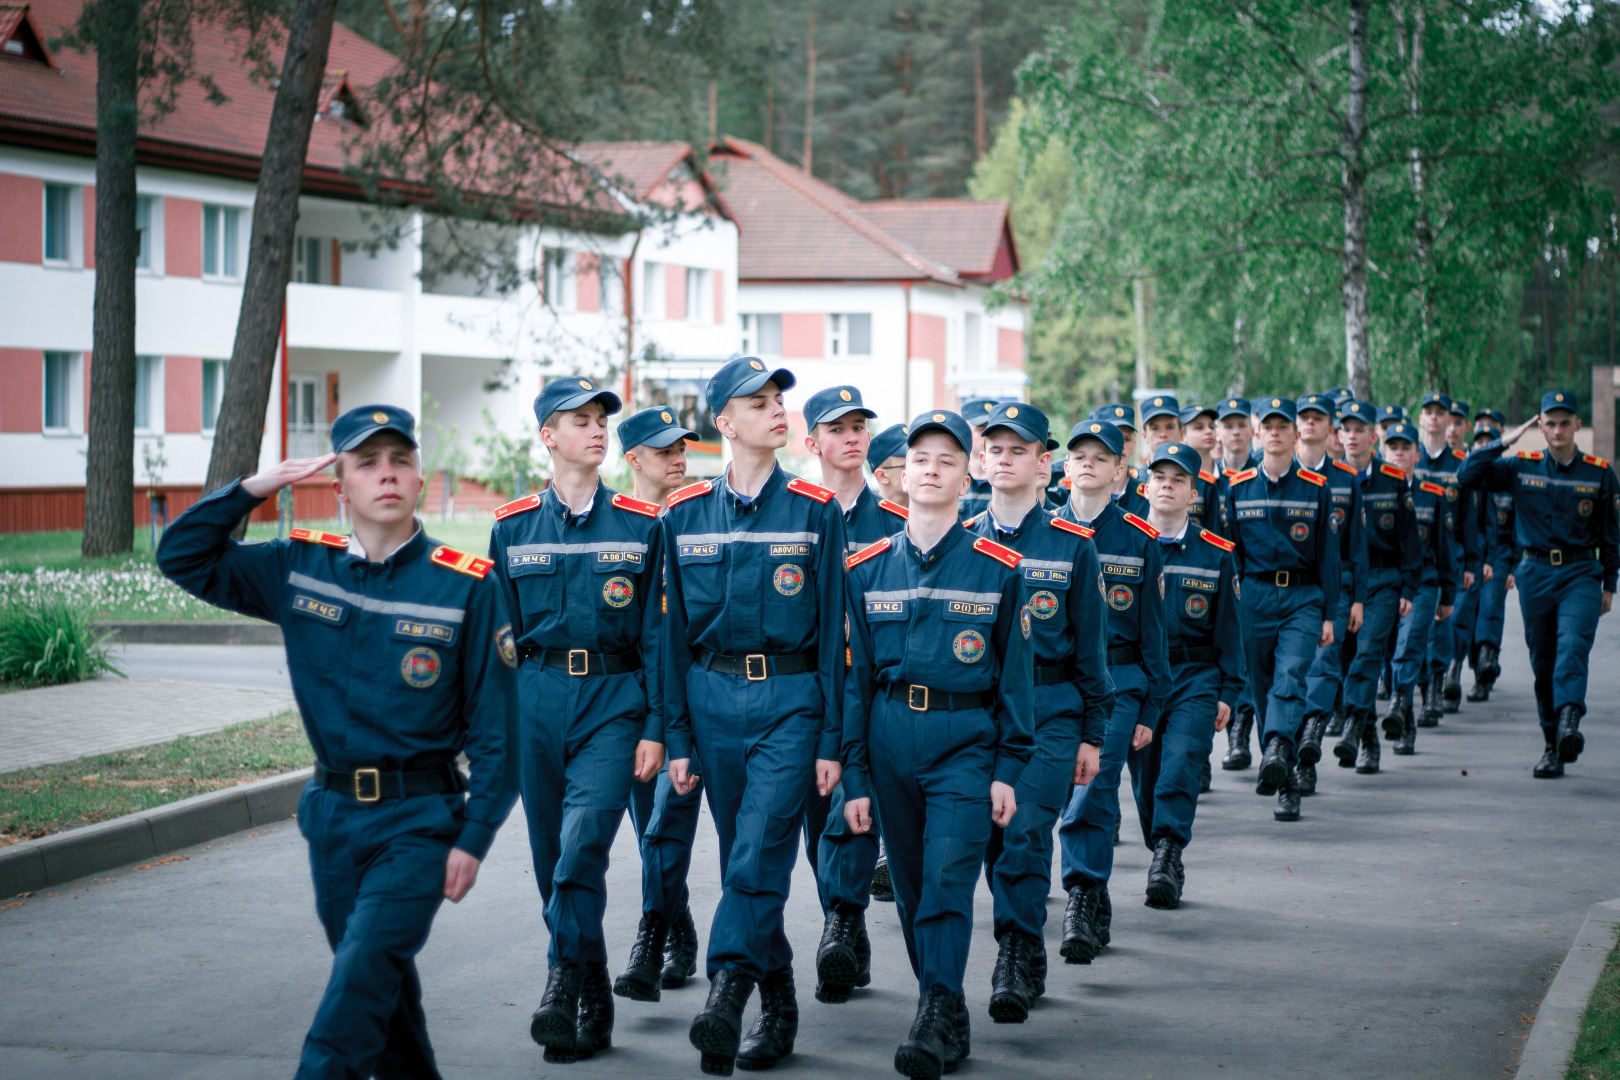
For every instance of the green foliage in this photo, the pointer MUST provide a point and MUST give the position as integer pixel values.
(50, 642)
(1597, 1049)
(509, 462)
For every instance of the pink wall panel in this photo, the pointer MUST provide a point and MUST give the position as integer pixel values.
(719, 297)
(588, 279)
(90, 226)
(182, 239)
(22, 219)
(928, 343)
(182, 394)
(1009, 348)
(674, 291)
(22, 390)
(804, 335)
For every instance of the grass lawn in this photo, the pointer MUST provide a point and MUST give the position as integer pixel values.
(1597, 1051)
(37, 802)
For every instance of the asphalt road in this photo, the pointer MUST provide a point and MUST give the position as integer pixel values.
(1406, 927)
(262, 667)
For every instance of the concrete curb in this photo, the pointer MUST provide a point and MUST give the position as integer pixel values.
(194, 633)
(1558, 1021)
(93, 849)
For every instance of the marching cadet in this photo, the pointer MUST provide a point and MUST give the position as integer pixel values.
(938, 721)
(1431, 509)
(1198, 431)
(845, 861)
(1497, 573)
(1206, 665)
(1133, 585)
(1235, 430)
(664, 954)
(1128, 489)
(1161, 423)
(1476, 505)
(578, 567)
(976, 411)
(1073, 694)
(1438, 463)
(401, 658)
(1234, 419)
(1288, 554)
(1390, 414)
(753, 665)
(1387, 416)
(1324, 681)
(1565, 505)
(886, 457)
(1394, 578)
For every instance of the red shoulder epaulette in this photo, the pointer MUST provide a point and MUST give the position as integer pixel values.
(1004, 555)
(1459, 455)
(461, 562)
(1390, 470)
(1144, 526)
(516, 506)
(852, 561)
(1219, 541)
(1432, 489)
(895, 508)
(1141, 489)
(1591, 459)
(635, 506)
(811, 491)
(315, 536)
(1314, 477)
(1207, 477)
(1530, 455)
(691, 491)
(1351, 469)
(1073, 527)
(1239, 477)
(972, 521)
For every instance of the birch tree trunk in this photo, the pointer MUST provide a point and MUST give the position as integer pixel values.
(1353, 288)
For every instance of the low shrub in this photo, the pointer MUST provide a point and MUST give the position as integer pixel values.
(50, 642)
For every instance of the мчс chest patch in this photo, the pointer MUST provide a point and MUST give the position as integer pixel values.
(319, 609)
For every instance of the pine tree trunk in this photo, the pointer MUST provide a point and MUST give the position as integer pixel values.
(1357, 362)
(109, 490)
(249, 375)
(810, 93)
(981, 126)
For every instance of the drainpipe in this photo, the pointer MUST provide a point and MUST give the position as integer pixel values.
(905, 406)
(630, 323)
(284, 381)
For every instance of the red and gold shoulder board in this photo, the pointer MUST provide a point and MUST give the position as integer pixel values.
(867, 552)
(972, 521)
(691, 491)
(1530, 455)
(811, 491)
(1390, 470)
(1073, 527)
(1141, 489)
(1207, 477)
(1239, 477)
(635, 506)
(1432, 489)
(461, 562)
(1459, 455)
(1144, 526)
(1591, 459)
(315, 536)
(895, 508)
(1219, 541)
(1314, 477)
(1351, 469)
(516, 506)
(1005, 555)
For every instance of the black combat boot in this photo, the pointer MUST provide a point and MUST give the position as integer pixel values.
(1275, 764)
(639, 981)
(1451, 692)
(1433, 700)
(1481, 690)
(1287, 808)
(1009, 983)
(959, 1037)
(882, 883)
(1370, 750)
(1304, 779)
(1570, 740)
(680, 951)
(1165, 875)
(1037, 971)
(1237, 741)
(1550, 767)
(1104, 922)
(1206, 778)
(1080, 944)
(1400, 710)
(1383, 689)
(1350, 742)
(1335, 726)
(1310, 738)
(554, 1024)
(771, 1038)
(1488, 668)
(922, 1055)
(844, 958)
(1406, 745)
(595, 1014)
(717, 1030)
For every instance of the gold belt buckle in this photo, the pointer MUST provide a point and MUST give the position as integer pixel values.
(1282, 579)
(911, 698)
(748, 667)
(584, 661)
(1555, 557)
(376, 785)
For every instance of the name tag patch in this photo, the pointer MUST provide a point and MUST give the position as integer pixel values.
(1199, 584)
(885, 607)
(514, 562)
(320, 609)
(1120, 570)
(789, 550)
(963, 607)
(427, 631)
(631, 557)
(1257, 512)
(1054, 577)
(698, 551)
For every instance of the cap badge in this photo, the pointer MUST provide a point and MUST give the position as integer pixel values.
(584, 384)
(379, 417)
(1096, 427)
(756, 365)
(844, 394)
(1158, 401)
(905, 429)
(1012, 412)
(666, 418)
(1558, 397)
(1275, 402)
(1119, 412)
(939, 418)
(1175, 449)
(1232, 404)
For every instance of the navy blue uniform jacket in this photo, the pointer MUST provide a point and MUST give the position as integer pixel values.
(1565, 508)
(1201, 603)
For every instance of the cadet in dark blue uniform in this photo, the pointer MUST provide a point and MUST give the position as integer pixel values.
(1130, 490)
(1498, 572)
(1438, 463)
(579, 567)
(1133, 586)
(753, 665)
(938, 722)
(1198, 431)
(1569, 556)
(1073, 694)
(664, 954)
(1235, 430)
(1287, 548)
(1431, 508)
(1475, 504)
(976, 411)
(401, 658)
(1394, 577)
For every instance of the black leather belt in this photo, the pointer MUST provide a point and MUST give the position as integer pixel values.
(1286, 579)
(1559, 556)
(375, 785)
(581, 662)
(1125, 654)
(927, 699)
(1194, 654)
(757, 667)
(1386, 562)
(1048, 674)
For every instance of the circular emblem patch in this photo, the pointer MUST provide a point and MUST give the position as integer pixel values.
(666, 418)
(756, 365)
(968, 646)
(1237, 590)
(1023, 621)
(845, 395)
(1101, 589)
(1451, 494)
(788, 579)
(379, 418)
(506, 645)
(1336, 519)
(618, 591)
(1043, 605)
(1012, 412)
(939, 418)
(1298, 531)
(1423, 532)
(1120, 597)
(1584, 508)
(584, 384)
(1386, 521)
(1196, 605)
(420, 668)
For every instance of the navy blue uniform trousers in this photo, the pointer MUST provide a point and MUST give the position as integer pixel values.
(1380, 615)
(845, 859)
(666, 825)
(1086, 835)
(1409, 663)
(1324, 679)
(1165, 773)
(1492, 606)
(1281, 626)
(1560, 605)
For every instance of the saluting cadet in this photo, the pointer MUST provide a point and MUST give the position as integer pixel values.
(1199, 432)
(886, 457)
(1437, 463)
(1431, 509)
(1133, 585)
(401, 658)
(1324, 681)
(753, 665)
(1128, 488)
(1235, 430)
(578, 567)
(1497, 573)
(1565, 504)
(1206, 665)
(664, 954)
(938, 722)
(1288, 555)
(844, 860)
(976, 411)
(1394, 578)
(1073, 694)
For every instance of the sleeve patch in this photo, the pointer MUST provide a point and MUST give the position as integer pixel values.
(1219, 541)
(1391, 470)
(1314, 477)
(895, 508)
(691, 491)
(810, 491)
(635, 506)
(1004, 555)
(867, 552)
(315, 536)
(1073, 527)
(461, 562)
(516, 506)
(1432, 489)
(1144, 526)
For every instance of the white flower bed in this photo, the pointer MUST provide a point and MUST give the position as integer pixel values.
(133, 591)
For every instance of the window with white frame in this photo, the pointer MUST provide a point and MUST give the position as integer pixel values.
(561, 282)
(699, 299)
(222, 241)
(145, 234)
(972, 342)
(849, 335)
(213, 392)
(59, 223)
(306, 430)
(311, 263)
(147, 390)
(652, 290)
(762, 335)
(58, 402)
(611, 271)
